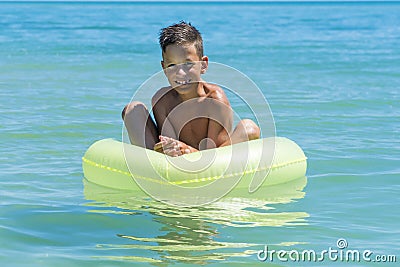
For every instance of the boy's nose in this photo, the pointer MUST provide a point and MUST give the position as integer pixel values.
(180, 70)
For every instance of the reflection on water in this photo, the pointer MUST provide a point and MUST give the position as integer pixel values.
(191, 235)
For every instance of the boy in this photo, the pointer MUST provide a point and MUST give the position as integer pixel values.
(190, 114)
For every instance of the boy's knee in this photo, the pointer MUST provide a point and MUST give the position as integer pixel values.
(131, 107)
(251, 129)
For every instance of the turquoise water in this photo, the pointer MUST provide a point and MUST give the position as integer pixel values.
(330, 72)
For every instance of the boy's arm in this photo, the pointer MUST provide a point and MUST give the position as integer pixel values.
(169, 143)
(220, 128)
(219, 133)
(164, 126)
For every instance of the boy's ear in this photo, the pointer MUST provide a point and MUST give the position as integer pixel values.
(204, 64)
(162, 65)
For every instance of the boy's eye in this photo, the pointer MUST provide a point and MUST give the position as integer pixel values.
(186, 65)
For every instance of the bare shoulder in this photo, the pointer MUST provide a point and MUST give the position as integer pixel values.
(162, 95)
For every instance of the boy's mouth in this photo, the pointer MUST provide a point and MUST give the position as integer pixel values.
(180, 82)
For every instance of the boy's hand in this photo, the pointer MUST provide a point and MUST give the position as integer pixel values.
(203, 93)
(171, 147)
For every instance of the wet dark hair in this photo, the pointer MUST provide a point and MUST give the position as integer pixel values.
(181, 33)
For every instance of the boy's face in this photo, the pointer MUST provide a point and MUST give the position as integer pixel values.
(183, 67)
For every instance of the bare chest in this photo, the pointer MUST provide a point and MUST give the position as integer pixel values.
(193, 131)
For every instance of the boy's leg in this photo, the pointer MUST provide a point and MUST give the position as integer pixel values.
(245, 130)
(142, 130)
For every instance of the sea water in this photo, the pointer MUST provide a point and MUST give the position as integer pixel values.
(329, 71)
